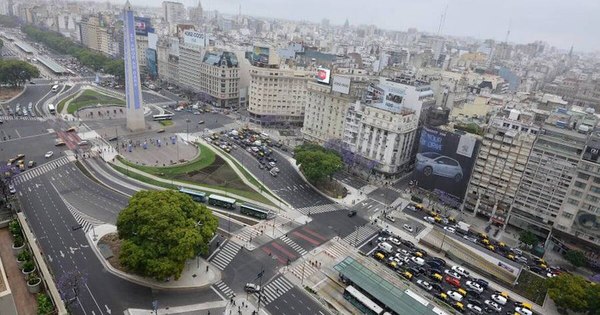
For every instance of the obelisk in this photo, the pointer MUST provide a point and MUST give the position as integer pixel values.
(133, 88)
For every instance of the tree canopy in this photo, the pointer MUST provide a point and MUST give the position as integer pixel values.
(16, 72)
(316, 162)
(160, 230)
(576, 258)
(571, 292)
(528, 238)
(86, 56)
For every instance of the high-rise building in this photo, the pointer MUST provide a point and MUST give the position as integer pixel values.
(196, 14)
(219, 78)
(173, 12)
(277, 96)
(500, 164)
(133, 87)
(95, 35)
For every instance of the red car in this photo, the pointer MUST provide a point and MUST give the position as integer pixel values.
(452, 281)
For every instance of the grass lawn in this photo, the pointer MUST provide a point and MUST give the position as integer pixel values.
(61, 104)
(531, 286)
(92, 98)
(208, 170)
(166, 122)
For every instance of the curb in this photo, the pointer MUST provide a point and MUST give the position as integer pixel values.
(126, 276)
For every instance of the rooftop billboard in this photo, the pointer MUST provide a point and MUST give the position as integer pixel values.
(444, 163)
(142, 26)
(341, 84)
(323, 75)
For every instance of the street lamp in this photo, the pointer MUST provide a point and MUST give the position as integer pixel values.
(187, 130)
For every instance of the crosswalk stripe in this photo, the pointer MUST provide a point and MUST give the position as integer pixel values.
(226, 255)
(40, 170)
(275, 289)
(294, 245)
(362, 234)
(318, 209)
(221, 286)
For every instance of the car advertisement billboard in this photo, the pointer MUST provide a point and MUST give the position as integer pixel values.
(195, 38)
(323, 75)
(341, 84)
(181, 28)
(142, 25)
(444, 164)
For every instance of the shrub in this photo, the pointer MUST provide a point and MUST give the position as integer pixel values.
(24, 255)
(32, 278)
(28, 266)
(15, 228)
(18, 241)
(45, 305)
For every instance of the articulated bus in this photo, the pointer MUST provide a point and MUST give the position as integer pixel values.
(220, 201)
(163, 117)
(254, 211)
(197, 196)
(362, 302)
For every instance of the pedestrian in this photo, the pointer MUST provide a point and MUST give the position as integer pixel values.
(206, 268)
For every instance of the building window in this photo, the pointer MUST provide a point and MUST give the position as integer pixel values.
(567, 215)
(583, 176)
(580, 185)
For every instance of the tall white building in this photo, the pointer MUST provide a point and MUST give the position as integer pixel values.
(173, 12)
(380, 129)
(277, 96)
(190, 66)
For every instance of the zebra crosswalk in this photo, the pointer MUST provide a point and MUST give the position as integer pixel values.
(359, 236)
(8, 117)
(337, 250)
(42, 169)
(318, 209)
(275, 289)
(293, 245)
(246, 234)
(304, 270)
(86, 221)
(226, 255)
(224, 288)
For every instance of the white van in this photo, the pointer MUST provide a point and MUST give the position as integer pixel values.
(386, 247)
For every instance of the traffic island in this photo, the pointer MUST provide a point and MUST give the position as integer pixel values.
(198, 273)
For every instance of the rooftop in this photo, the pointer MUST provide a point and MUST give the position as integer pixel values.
(52, 65)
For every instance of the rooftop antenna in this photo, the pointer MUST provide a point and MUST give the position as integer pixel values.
(442, 20)
(508, 31)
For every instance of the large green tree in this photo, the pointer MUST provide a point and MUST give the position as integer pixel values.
(16, 72)
(528, 238)
(161, 230)
(576, 258)
(569, 292)
(316, 162)
(593, 297)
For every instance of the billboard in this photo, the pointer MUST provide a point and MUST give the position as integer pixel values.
(323, 75)
(142, 26)
(151, 60)
(341, 84)
(195, 38)
(184, 27)
(444, 163)
(260, 55)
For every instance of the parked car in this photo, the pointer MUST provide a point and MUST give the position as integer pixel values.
(455, 295)
(408, 228)
(493, 305)
(474, 285)
(433, 163)
(461, 271)
(425, 285)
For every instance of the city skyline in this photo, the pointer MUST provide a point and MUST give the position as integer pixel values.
(561, 24)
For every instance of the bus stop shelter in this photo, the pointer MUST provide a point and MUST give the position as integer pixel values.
(399, 300)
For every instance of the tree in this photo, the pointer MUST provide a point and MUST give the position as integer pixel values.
(569, 292)
(161, 230)
(1, 44)
(593, 294)
(576, 258)
(316, 162)
(16, 72)
(527, 237)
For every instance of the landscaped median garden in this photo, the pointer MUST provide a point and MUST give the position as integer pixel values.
(206, 170)
(88, 98)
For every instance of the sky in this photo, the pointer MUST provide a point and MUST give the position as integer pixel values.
(561, 23)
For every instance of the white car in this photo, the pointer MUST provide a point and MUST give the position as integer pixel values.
(433, 163)
(449, 229)
(455, 295)
(394, 241)
(474, 308)
(493, 305)
(403, 252)
(452, 273)
(523, 311)
(49, 154)
(460, 270)
(408, 228)
(425, 285)
(429, 219)
(12, 189)
(418, 260)
(474, 285)
(499, 299)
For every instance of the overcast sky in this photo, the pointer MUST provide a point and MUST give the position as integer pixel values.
(561, 23)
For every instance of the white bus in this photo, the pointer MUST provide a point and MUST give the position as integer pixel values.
(55, 88)
(162, 117)
(362, 302)
(51, 109)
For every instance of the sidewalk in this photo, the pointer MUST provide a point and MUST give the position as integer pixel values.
(24, 301)
(197, 273)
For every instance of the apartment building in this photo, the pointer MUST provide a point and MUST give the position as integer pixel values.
(549, 173)
(277, 96)
(190, 66)
(168, 61)
(500, 164)
(325, 111)
(579, 218)
(96, 36)
(220, 78)
(142, 46)
(173, 12)
(380, 129)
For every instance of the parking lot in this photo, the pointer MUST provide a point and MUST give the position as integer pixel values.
(453, 285)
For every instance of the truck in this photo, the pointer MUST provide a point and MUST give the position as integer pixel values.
(462, 227)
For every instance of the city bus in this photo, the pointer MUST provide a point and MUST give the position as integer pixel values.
(163, 117)
(51, 109)
(197, 196)
(254, 211)
(220, 201)
(362, 302)
(55, 88)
